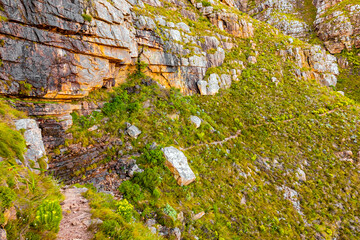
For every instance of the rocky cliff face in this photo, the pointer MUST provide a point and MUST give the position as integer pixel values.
(62, 50)
(65, 49)
(286, 15)
(338, 24)
(50, 50)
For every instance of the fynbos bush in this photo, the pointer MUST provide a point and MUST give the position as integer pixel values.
(48, 216)
(124, 208)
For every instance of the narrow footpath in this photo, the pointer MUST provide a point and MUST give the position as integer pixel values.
(76, 216)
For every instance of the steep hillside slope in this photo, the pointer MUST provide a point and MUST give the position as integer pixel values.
(185, 120)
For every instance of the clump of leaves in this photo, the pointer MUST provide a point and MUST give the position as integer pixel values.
(125, 209)
(48, 216)
(87, 17)
(149, 179)
(152, 157)
(169, 210)
(131, 191)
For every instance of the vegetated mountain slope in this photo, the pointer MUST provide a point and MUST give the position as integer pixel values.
(276, 155)
(290, 172)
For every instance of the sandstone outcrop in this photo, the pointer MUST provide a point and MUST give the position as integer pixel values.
(35, 156)
(282, 14)
(323, 65)
(64, 50)
(338, 24)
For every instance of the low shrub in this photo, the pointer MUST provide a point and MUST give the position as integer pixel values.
(87, 17)
(131, 191)
(125, 209)
(48, 216)
(7, 196)
(152, 157)
(149, 179)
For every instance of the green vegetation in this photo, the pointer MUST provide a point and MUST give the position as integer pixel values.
(125, 209)
(87, 17)
(206, 3)
(349, 78)
(48, 216)
(12, 143)
(23, 193)
(296, 124)
(116, 217)
(25, 203)
(25, 88)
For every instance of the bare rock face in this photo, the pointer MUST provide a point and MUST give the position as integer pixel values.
(178, 165)
(323, 66)
(231, 23)
(338, 25)
(33, 138)
(49, 50)
(67, 48)
(214, 84)
(282, 14)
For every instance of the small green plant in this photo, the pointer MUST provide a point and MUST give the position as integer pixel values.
(169, 210)
(153, 157)
(149, 179)
(206, 4)
(131, 191)
(48, 216)
(125, 209)
(87, 17)
(7, 196)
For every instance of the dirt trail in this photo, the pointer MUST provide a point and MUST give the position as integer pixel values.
(76, 216)
(239, 132)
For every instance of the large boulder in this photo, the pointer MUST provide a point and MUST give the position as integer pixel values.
(177, 162)
(214, 84)
(35, 156)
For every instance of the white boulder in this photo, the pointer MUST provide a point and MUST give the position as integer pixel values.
(177, 162)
